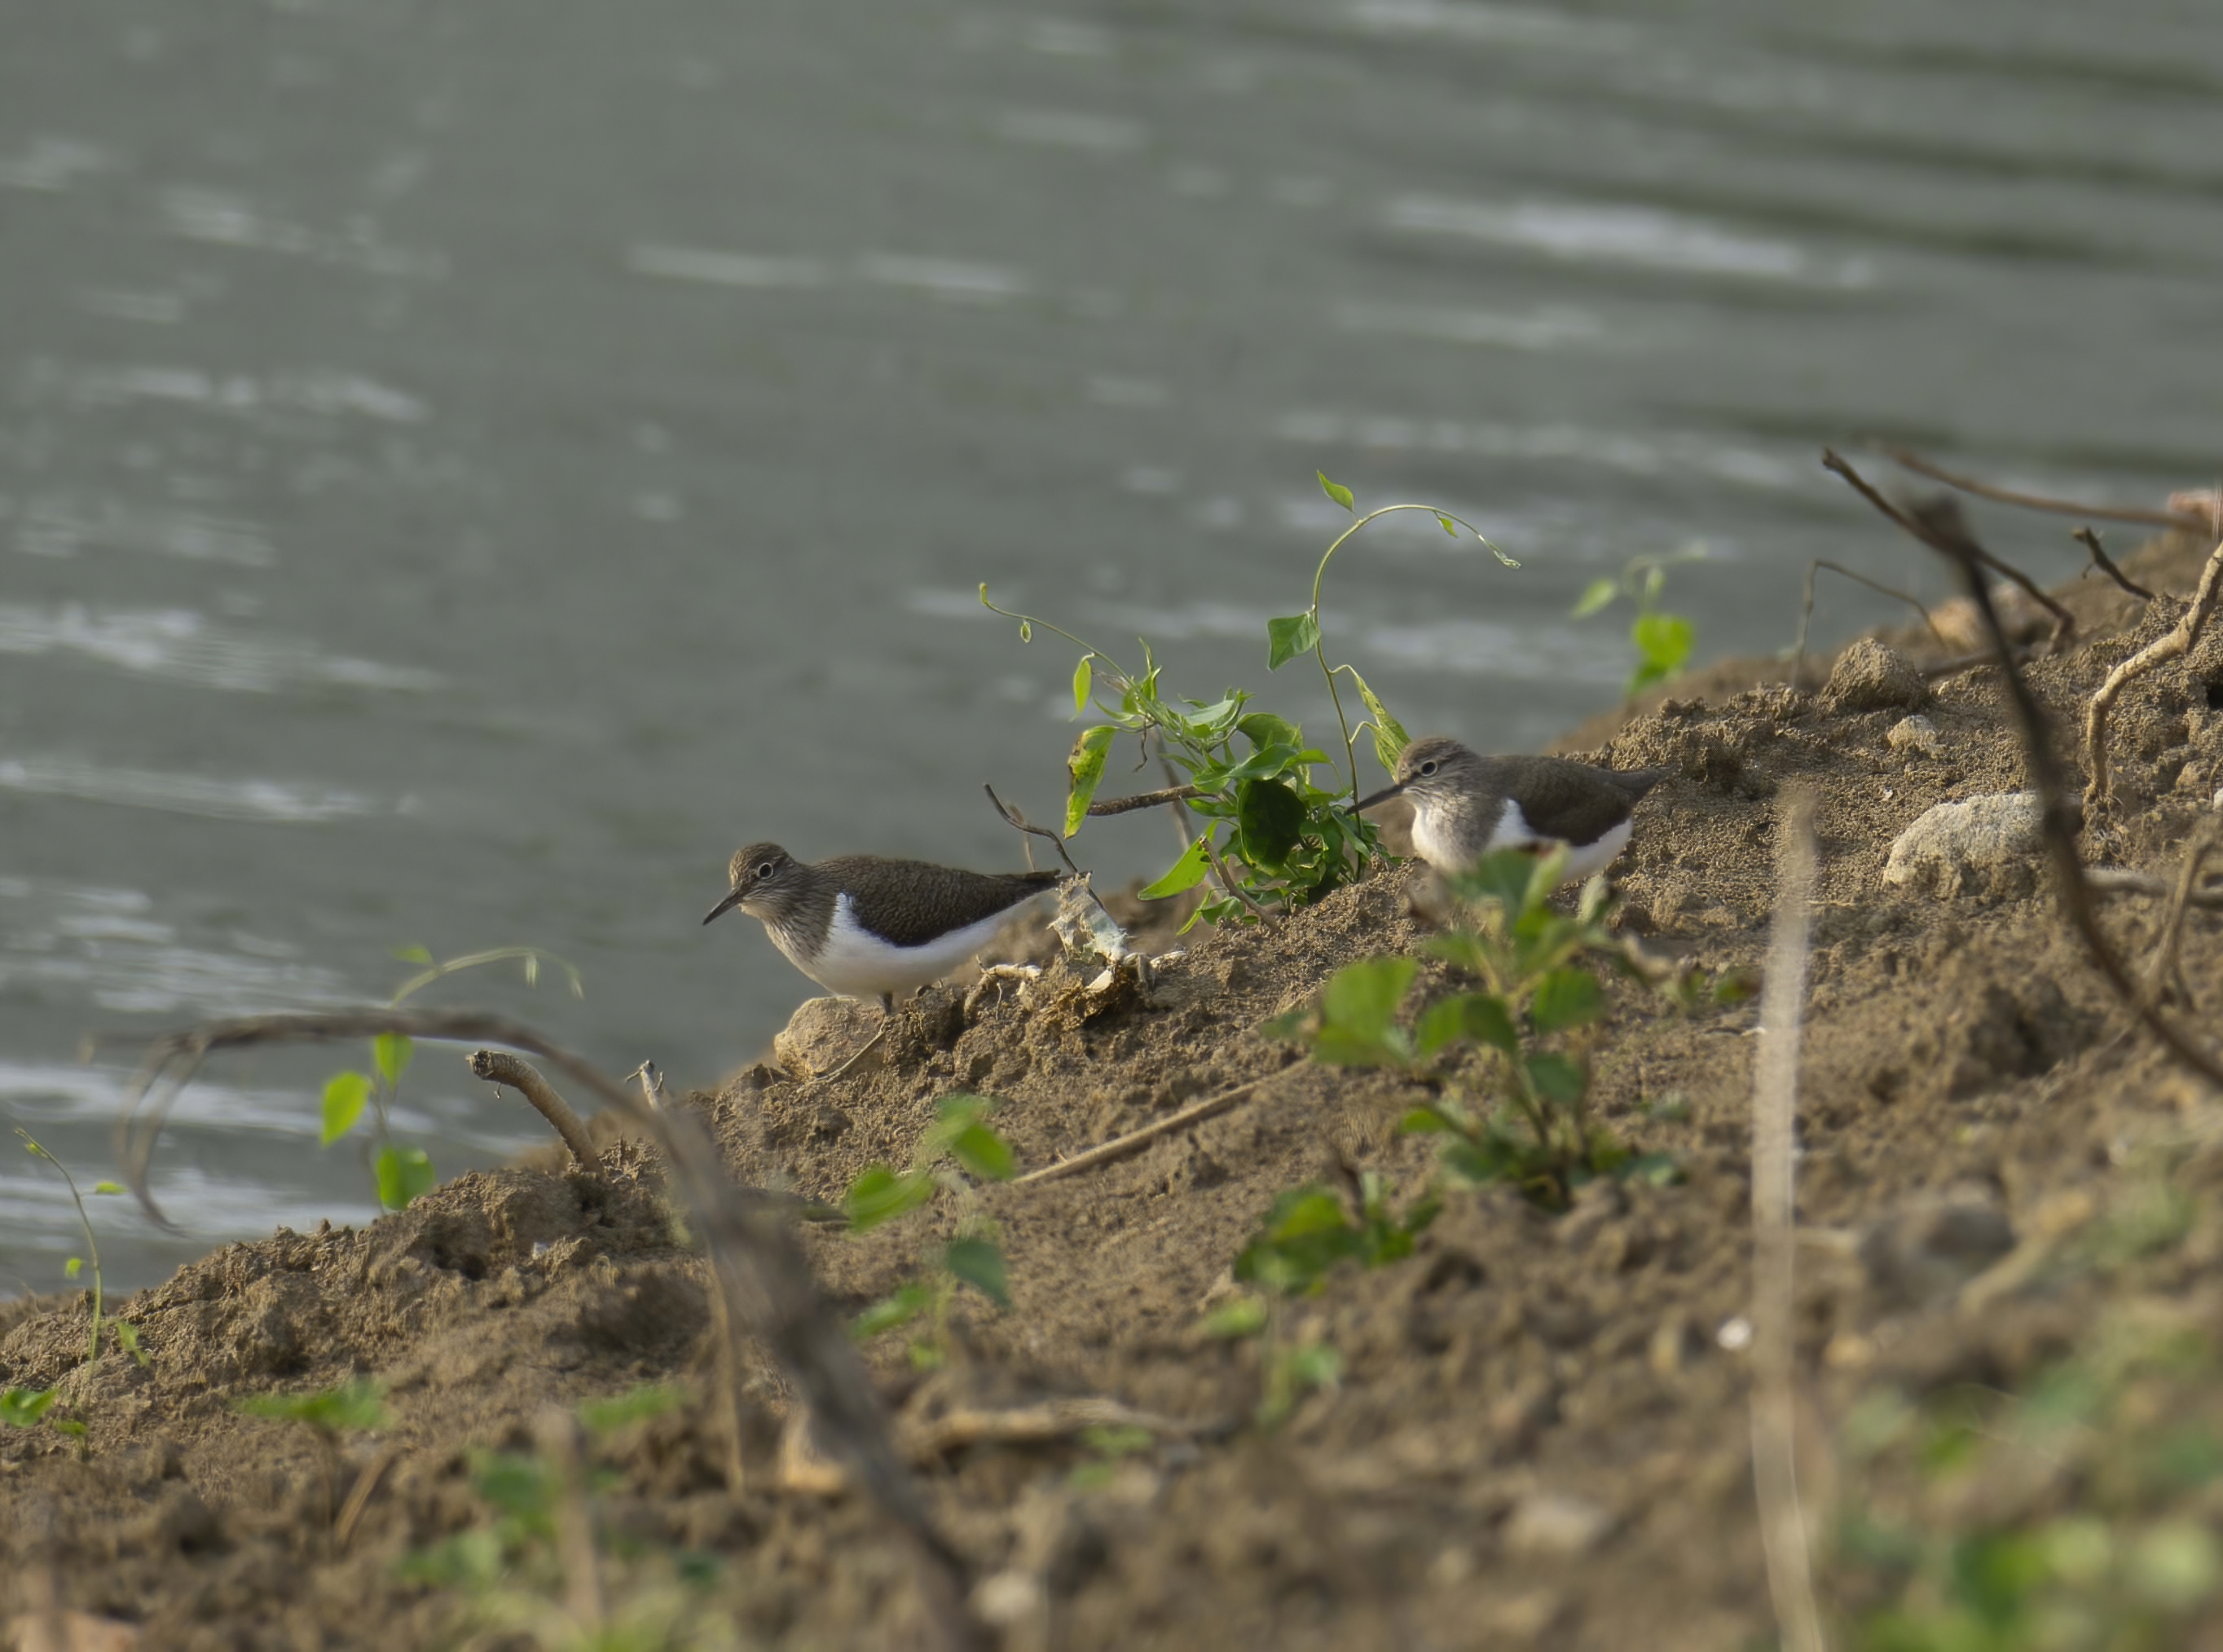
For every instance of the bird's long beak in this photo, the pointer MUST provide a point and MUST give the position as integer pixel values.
(1383, 796)
(724, 906)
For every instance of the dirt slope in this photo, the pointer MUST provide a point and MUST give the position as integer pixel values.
(1539, 1433)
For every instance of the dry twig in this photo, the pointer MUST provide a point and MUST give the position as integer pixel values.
(1144, 800)
(2120, 880)
(2060, 816)
(1940, 525)
(359, 1495)
(2106, 563)
(1923, 467)
(1806, 609)
(1033, 1425)
(2178, 641)
(497, 1067)
(2170, 942)
(557, 1434)
(757, 1267)
(1774, 1106)
(1120, 1146)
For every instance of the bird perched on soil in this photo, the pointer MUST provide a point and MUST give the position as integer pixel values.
(1465, 805)
(864, 927)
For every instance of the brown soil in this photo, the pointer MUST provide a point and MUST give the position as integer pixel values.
(1538, 1435)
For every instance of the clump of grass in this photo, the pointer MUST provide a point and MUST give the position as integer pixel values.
(1307, 1233)
(127, 1335)
(1663, 641)
(546, 1571)
(2077, 1514)
(401, 1174)
(1272, 837)
(959, 1140)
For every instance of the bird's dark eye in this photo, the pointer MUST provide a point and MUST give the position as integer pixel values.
(1428, 768)
(765, 870)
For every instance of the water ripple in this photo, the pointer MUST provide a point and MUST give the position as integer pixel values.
(181, 646)
(182, 794)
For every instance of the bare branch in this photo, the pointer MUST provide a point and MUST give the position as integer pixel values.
(1806, 611)
(2119, 880)
(2171, 939)
(1034, 1425)
(756, 1265)
(2060, 816)
(1119, 1146)
(498, 1068)
(1923, 467)
(2178, 641)
(1940, 525)
(1783, 1531)
(1013, 818)
(1144, 800)
(2106, 563)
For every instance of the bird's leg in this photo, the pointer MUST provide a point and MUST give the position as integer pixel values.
(887, 1016)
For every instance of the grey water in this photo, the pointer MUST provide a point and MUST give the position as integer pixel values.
(463, 469)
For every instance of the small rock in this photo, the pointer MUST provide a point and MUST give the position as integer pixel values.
(1988, 845)
(1933, 1245)
(1869, 676)
(1555, 1523)
(1916, 734)
(823, 1033)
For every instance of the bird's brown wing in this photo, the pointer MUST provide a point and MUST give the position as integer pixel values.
(1574, 803)
(911, 911)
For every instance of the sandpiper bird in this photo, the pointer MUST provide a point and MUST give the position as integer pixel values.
(1465, 805)
(864, 926)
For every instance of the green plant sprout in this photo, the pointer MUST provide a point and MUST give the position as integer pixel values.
(1272, 838)
(127, 1336)
(403, 1174)
(2077, 1514)
(1663, 641)
(522, 1584)
(357, 1406)
(958, 1139)
(1306, 1234)
(1108, 1445)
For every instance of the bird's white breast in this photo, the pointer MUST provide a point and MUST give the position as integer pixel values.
(856, 963)
(1513, 831)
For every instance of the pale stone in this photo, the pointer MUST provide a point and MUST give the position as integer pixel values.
(824, 1032)
(1555, 1523)
(1916, 734)
(1989, 845)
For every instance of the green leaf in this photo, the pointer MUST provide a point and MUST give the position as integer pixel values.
(22, 1407)
(1185, 873)
(346, 1095)
(127, 1337)
(1362, 997)
(1269, 819)
(634, 1405)
(1596, 595)
(1341, 495)
(1287, 638)
(1557, 1078)
(1655, 1170)
(1245, 1317)
(355, 1405)
(405, 1174)
(891, 1312)
(1566, 997)
(1664, 640)
(413, 954)
(880, 1195)
(108, 1186)
(392, 1051)
(1026, 630)
(979, 1265)
(1264, 728)
(1448, 526)
(1503, 877)
(1389, 735)
(1340, 1047)
(73, 1267)
(1085, 766)
(984, 1153)
(1476, 1016)
(1083, 680)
